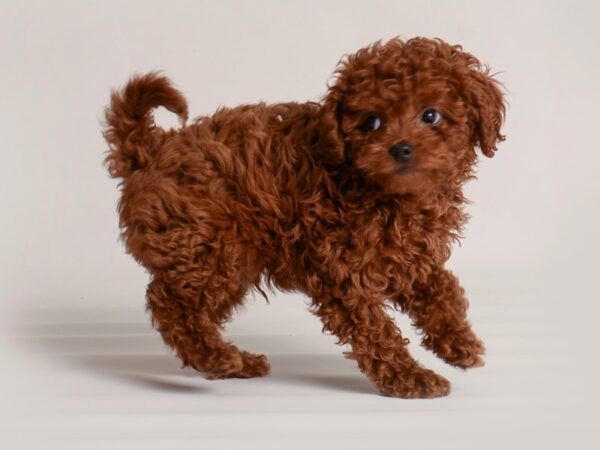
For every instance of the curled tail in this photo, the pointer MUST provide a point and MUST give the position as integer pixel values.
(130, 126)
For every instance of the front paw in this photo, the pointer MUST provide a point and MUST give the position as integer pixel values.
(417, 382)
(463, 350)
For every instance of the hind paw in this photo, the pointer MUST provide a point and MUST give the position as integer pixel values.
(245, 365)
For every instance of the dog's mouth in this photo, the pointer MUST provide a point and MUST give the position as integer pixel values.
(406, 170)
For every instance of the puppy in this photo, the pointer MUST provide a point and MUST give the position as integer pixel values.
(354, 201)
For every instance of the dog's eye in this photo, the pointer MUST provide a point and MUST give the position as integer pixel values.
(371, 123)
(431, 117)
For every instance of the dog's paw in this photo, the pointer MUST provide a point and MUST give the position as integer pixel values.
(468, 361)
(464, 351)
(243, 365)
(254, 365)
(416, 383)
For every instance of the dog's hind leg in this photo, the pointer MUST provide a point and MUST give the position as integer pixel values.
(190, 303)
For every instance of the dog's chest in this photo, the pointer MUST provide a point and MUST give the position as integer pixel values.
(413, 248)
(382, 251)
(406, 246)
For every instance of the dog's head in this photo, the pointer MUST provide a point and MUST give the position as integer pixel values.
(408, 115)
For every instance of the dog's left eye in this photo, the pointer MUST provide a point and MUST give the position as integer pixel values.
(431, 117)
(371, 123)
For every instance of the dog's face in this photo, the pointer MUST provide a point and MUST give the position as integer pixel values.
(408, 115)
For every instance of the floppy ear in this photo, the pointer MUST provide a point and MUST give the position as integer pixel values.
(331, 144)
(486, 107)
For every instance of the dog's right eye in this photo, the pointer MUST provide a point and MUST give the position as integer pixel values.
(371, 123)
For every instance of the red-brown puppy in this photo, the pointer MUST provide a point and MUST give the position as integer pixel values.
(354, 201)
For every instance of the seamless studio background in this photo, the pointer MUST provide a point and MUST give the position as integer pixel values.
(80, 364)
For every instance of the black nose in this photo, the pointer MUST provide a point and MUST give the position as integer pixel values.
(401, 152)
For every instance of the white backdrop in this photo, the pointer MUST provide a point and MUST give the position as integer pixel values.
(77, 348)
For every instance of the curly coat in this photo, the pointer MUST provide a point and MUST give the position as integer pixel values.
(311, 197)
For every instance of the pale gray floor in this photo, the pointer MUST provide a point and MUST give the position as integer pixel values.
(88, 376)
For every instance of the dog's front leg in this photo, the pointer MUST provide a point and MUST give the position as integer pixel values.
(439, 308)
(378, 347)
